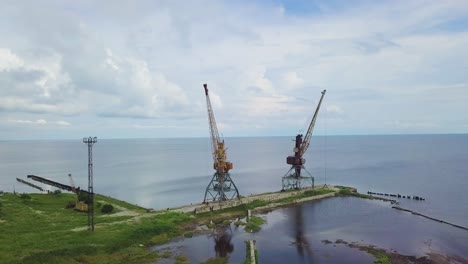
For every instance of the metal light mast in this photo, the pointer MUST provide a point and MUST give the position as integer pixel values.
(293, 179)
(221, 185)
(90, 142)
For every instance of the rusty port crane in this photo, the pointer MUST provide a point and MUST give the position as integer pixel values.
(221, 186)
(294, 179)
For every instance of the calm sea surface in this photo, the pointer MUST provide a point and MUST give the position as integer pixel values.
(161, 173)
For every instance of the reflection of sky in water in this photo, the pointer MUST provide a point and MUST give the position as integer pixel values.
(351, 219)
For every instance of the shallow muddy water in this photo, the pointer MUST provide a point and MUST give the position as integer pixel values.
(299, 234)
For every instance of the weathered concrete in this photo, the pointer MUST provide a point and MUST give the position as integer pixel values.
(275, 205)
(252, 251)
(214, 206)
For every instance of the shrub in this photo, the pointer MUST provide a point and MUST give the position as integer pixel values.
(254, 223)
(25, 197)
(98, 204)
(83, 197)
(57, 192)
(70, 204)
(107, 208)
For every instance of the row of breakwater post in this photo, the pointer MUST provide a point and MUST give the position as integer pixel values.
(414, 197)
(428, 217)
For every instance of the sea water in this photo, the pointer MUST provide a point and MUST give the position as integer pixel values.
(162, 173)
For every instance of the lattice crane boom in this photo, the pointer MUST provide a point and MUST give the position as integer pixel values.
(294, 177)
(221, 186)
(72, 183)
(217, 145)
(214, 134)
(306, 141)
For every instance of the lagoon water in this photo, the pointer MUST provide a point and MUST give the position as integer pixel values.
(161, 173)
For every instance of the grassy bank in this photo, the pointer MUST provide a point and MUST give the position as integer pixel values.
(38, 229)
(41, 230)
(348, 191)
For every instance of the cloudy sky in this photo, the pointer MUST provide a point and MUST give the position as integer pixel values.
(119, 69)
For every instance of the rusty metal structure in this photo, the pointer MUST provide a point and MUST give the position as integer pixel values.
(221, 186)
(295, 178)
(30, 184)
(79, 205)
(58, 185)
(90, 141)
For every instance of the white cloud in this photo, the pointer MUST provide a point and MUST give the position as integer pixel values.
(255, 78)
(334, 109)
(378, 60)
(141, 92)
(62, 123)
(292, 81)
(39, 122)
(9, 60)
(215, 100)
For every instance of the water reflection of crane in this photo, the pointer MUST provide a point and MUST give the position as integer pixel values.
(222, 238)
(302, 244)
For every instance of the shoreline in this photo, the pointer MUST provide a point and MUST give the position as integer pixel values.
(129, 232)
(270, 197)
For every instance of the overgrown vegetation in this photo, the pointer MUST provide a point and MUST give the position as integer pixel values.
(239, 223)
(181, 260)
(36, 228)
(107, 209)
(25, 197)
(247, 254)
(308, 193)
(379, 254)
(241, 210)
(253, 224)
(39, 229)
(348, 191)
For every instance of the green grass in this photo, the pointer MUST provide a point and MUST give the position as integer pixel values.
(348, 191)
(308, 193)
(181, 260)
(39, 230)
(239, 223)
(247, 254)
(241, 210)
(254, 223)
(380, 256)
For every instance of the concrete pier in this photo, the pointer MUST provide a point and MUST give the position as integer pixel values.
(271, 197)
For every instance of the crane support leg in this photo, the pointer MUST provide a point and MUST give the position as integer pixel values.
(221, 188)
(293, 180)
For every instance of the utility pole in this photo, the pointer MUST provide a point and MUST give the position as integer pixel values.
(90, 142)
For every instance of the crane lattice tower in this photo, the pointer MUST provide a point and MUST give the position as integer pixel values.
(221, 186)
(295, 178)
